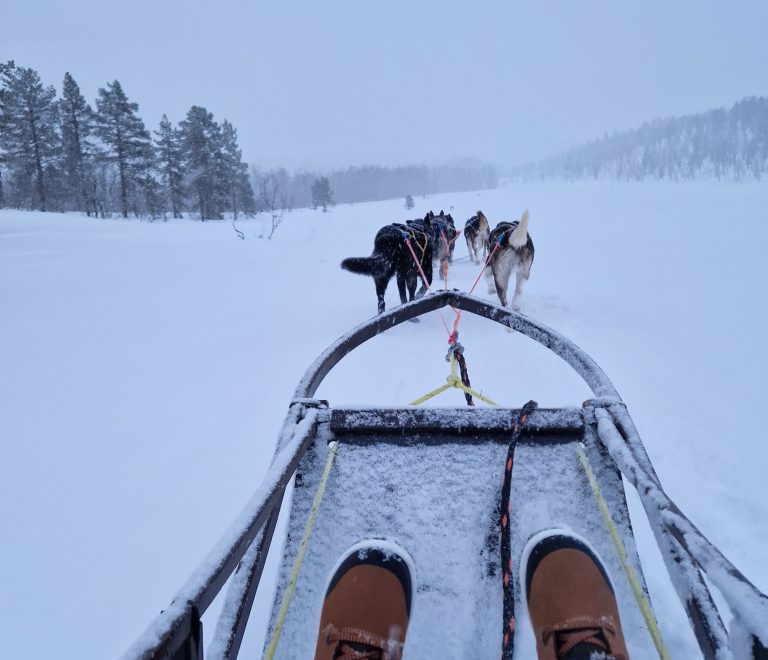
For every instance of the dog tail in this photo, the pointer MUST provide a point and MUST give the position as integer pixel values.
(519, 237)
(375, 265)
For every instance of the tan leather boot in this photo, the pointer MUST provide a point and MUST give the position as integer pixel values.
(367, 605)
(571, 602)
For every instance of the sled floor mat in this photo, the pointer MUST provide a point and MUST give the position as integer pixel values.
(430, 481)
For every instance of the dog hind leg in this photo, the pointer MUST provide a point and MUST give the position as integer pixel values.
(489, 279)
(501, 289)
(381, 288)
(519, 281)
(402, 279)
(426, 266)
(411, 282)
(502, 269)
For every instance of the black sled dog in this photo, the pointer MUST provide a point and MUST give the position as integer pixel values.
(391, 256)
(476, 231)
(441, 231)
(514, 254)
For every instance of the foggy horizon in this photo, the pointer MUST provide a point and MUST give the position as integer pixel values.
(339, 85)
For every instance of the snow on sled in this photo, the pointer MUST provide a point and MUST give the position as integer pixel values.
(436, 482)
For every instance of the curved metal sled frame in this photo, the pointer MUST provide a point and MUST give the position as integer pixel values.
(177, 631)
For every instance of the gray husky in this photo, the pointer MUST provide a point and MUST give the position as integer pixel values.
(476, 231)
(514, 254)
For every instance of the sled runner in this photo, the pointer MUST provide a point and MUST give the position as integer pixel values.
(463, 490)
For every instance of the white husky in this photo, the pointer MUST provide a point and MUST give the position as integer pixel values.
(513, 251)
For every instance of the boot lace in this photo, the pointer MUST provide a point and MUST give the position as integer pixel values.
(357, 644)
(583, 630)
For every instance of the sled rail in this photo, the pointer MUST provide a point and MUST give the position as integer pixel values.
(581, 363)
(687, 553)
(177, 631)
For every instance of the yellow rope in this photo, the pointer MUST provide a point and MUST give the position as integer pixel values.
(429, 395)
(413, 235)
(634, 582)
(270, 652)
(423, 247)
(453, 380)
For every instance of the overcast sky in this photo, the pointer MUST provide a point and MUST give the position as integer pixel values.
(341, 82)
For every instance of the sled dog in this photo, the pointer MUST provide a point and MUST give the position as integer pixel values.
(442, 233)
(514, 254)
(476, 231)
(391, 256)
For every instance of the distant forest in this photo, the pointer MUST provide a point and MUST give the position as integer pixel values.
(721, 144)
(371, 182)
(60, 153)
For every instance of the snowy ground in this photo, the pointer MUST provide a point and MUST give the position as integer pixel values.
(147, 367)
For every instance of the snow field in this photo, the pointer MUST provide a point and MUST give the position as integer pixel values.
(147, 369)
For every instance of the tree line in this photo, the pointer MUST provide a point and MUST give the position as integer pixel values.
(372, 182)
(725, 143)
(62, 154)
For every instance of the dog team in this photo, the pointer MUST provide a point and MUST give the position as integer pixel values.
(407, 252)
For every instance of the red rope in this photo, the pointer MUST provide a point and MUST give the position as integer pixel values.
(487, 261)
(418, 265)
(458, 311)
(424, 277)
(458, 232)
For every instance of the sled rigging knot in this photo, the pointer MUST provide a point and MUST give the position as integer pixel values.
(458, 378)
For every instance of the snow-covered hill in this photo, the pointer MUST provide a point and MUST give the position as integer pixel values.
(146, 369)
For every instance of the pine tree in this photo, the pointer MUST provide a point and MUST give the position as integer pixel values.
(153, 197)
(3, 162)
(409, 203)
(128, 141)
(148, 198)
(322, 195)
(201, 141)
(28, 119)
(77, 125)
(235, 171)
(169, 158)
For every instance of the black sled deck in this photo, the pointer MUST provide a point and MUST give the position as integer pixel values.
(430, 480)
